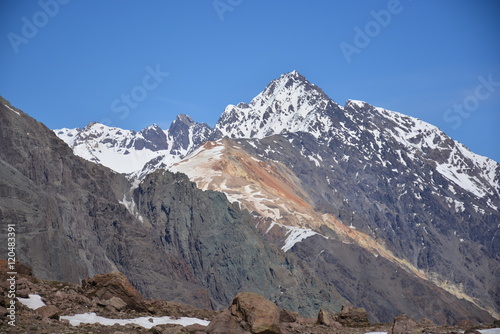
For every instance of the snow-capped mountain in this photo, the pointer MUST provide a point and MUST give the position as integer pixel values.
(296, 158)
(128, 151)
(288, 104)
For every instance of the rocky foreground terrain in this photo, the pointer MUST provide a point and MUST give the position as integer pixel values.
(112, 296)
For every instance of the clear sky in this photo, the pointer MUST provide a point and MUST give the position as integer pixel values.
(132, 63)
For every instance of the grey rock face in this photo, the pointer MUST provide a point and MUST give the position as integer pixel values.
(187, 134)
(215, 246)
(380, 286)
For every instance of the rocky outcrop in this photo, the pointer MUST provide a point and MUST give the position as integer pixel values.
(329, 320)
(351, 316)
(115, 290)
(63, 299)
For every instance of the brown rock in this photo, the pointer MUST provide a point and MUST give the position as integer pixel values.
(117, 303)
(403, 325)
(472, 331)
(48, 312)
(261, 315)
(169, 329)
(289, 316)
(327, 319)
(248, 313)
(114, 284)
(351, 316)
(465, 324)
(424, 322)
(308, 321)
(324, 318)
(225, 323)
(24, 293)
(20, 267)
(196, 328)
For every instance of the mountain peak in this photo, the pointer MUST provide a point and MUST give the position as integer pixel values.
(287, 104)
(294, 75)
(184, 119)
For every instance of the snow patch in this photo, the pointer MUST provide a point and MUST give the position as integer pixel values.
(295, 235)
(146, 322)
(461, 179)
(33, 301)
(17, 112)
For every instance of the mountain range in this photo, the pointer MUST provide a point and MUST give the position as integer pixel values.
(310, 203)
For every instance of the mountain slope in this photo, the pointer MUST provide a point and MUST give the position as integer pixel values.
(351, 260)
(173, 241)
(398, 181)
(402, 181)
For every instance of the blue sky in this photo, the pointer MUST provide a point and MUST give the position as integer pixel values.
(69, 63)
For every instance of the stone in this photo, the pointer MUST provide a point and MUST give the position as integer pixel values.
(196, 328)
(117, 303)
(24, 293)
(472, 331)
(289, 316)
(351, 316)
(169, 329)
(48, 312)
(327, 319)
(114, 284)
(324, 318)
(465, 324)
(248, 313)
(403, 324)
(261, 315)
(225, 323)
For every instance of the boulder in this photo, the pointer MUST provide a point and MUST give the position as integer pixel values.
(403, 324)
(106, 286)
(351, 316)
(261, 315)
(169, 329)
(196, 328)
(117, 303)
(248, 313)
(48, 312)
(225, 323)
(324, 318)
(327, 319)
(289, 316)
(472, 331)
